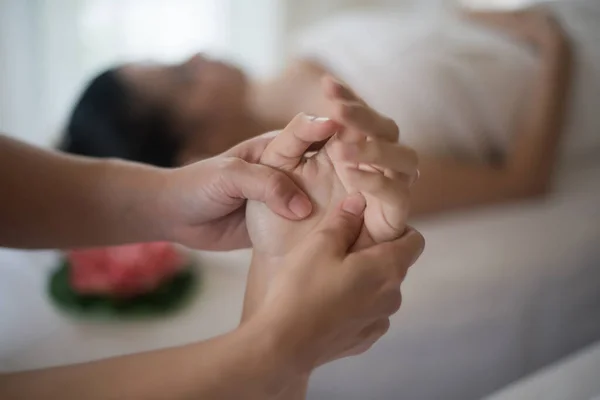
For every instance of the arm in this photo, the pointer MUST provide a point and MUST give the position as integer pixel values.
(53, 200)
(323, 303)
(244, 364)
(446, 184)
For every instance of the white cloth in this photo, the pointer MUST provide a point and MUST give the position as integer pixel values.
(457, 88)
(451, 86)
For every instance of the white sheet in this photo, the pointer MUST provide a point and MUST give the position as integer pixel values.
(497, 294)
(574, 378)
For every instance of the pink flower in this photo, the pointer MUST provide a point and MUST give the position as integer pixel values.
(123, 271)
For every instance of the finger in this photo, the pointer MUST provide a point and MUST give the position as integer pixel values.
(386, 156)
(392, 196)
(396, 256)
(336, 90)
(388, 201)
(351, 109)
(339, 230)
(287, 149)
(362, 118)
(252, 149)
(262, 183)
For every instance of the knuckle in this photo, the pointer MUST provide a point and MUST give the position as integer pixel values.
(392, 129)
(395, 302)
(376, 331)
(412, 157)
(276, 184)
(233, 164)
(384, 326)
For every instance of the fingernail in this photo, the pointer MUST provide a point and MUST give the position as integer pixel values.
(354, 204)
(300, 206)
(314, 118)
(416, 178)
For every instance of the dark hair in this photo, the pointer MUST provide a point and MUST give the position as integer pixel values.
(104, 123)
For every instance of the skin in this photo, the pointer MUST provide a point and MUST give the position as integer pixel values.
(329, 300)
(105, 202)
(363, 158)
(261, 359)
(225, 107)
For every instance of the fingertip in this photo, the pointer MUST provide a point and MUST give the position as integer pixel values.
(335, 89)
(300, 206)
(417, 241)
(354, 204)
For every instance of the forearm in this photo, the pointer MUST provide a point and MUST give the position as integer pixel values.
(50, 200)
(239, 365)
(528, 166)
(259, 276)
(449, 185)
(536, 144)
(536, 140)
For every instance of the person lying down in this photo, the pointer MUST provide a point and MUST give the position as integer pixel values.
(479, 96)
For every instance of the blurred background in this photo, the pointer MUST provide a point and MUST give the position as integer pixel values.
(50, 48)
(501, 292)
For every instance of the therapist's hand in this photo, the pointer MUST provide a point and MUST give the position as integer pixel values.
(386, 172)
(203, 204)
(326, 302)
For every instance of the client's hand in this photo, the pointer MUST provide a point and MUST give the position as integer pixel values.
(355, 159)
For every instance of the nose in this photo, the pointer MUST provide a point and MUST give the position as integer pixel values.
(197, 59)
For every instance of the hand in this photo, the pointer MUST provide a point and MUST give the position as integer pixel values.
(390, 169)
(354, 160)
(205, 202)
(325, 303)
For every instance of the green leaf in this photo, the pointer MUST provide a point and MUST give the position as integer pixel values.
(168, 298)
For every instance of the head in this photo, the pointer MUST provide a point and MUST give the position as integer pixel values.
(160, 114)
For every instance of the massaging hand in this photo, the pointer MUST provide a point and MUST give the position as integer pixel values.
(355, 159)
(207, 199)
(325, 303)
(327, 177)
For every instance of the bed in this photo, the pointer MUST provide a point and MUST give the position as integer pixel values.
(498, 294)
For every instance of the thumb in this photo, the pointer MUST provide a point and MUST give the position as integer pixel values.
(342, 227)
(267, 185)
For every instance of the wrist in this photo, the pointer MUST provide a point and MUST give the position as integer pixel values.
(141, 190)
(273, 350)
(261, 272)
(288, 329)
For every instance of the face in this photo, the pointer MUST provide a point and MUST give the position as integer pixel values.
(204, 99)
